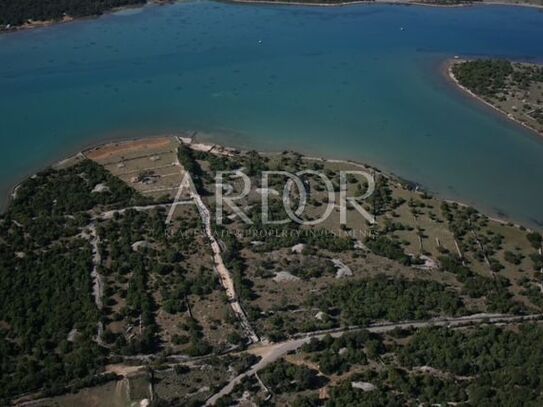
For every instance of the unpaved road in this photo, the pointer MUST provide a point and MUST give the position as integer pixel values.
(224, 275)
(109, 214)
(273, 352)
(98, 285)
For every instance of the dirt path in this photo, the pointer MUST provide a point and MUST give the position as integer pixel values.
(224, 274)
(109, 214)
(273, 352)
(98, 281)
(98, 284)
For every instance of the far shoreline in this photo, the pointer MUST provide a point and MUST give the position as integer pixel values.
(33, 25)
(65, 155)
(37, 24)
(382, 2)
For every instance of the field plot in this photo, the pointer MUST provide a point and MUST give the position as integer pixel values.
(112, 394)
(149, 166)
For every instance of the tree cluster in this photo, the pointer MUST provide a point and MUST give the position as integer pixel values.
(17, 12)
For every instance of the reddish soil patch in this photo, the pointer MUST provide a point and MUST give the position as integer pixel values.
(112, 150)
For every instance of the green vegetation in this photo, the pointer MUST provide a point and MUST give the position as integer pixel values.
(468, 227)
(337, 355)
(117, 237)
(535, 240)
(283, 377)
(236, 265)
(69, 191)
(254, 163)
(48, 315)
(505, 365)
(290, 235)
(485, 77)
(49, 321)
(494, 290)
(156, 268)
(385, 247)
(514, 88)
(17, 12)
(382, 298)
(162, 299)
(311, 267)
(187, 158)
(481, 366)
(396, 387)
(381, 200)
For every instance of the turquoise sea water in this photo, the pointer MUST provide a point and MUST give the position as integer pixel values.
(341, 82)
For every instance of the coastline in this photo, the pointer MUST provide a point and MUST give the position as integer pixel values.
(69, 154)
(448, 72)
(347, 3)
(383, 2)
(32, 25)
(226, 150)
(68, 19)
(214, 139)
(189, 138)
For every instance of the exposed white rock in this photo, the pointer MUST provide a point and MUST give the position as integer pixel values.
(142, 244)
(342, 269)
(98, 188)
(364, 386)
(429, 263)
(284, 276)
(320, 315)
(298, 248)
(360, 246)
(72, 335)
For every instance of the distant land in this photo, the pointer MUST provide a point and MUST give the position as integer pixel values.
(436, 3)
(119, 286)
(513, 88)
(17, 14)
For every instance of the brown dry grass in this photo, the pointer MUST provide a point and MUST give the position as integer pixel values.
(130, 147)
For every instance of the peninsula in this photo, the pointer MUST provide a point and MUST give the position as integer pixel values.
(120, 284)
(512, 88)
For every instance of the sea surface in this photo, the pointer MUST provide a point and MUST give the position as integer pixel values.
(343, 82)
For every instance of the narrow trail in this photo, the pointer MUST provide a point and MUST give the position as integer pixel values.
(109, 214)
(98, 284)
(273, 352)
(224, 274)
(97, 280)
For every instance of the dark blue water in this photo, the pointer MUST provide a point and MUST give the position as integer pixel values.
(341, 82)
